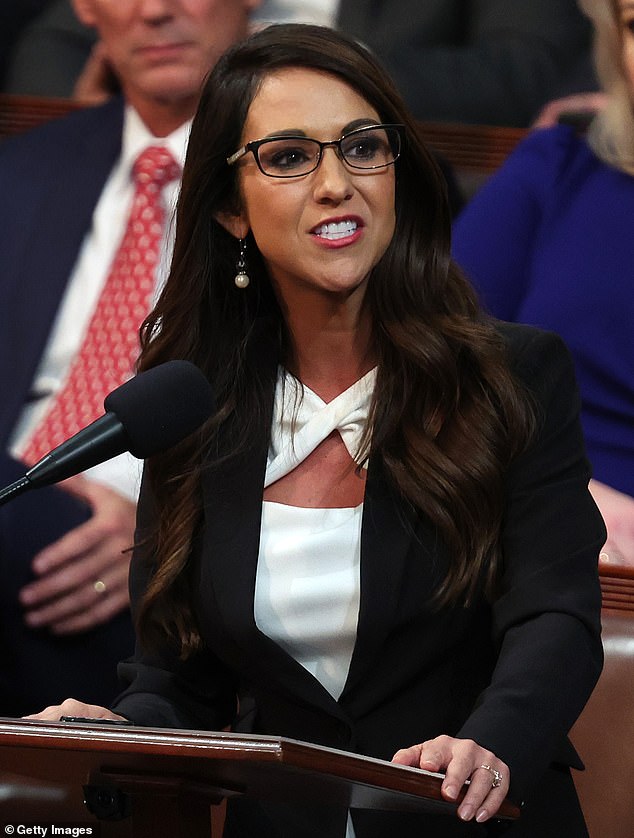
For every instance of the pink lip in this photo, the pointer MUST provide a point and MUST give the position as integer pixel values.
(345, 241)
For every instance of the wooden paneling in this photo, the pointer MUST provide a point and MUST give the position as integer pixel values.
(19, 113)
(617, 588)
(472, 148)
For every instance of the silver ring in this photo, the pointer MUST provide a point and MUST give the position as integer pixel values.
(497, 777)
(99, 587)
(611, 557)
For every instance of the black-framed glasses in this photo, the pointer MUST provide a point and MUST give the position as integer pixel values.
(294, 155)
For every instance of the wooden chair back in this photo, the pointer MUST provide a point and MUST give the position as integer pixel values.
(20, 113)
(604, 733)
(473, 151)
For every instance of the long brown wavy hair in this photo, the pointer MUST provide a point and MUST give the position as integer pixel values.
(447, 416)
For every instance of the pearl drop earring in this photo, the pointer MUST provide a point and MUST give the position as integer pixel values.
(242, 278)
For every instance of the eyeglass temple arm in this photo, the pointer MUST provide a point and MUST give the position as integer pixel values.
(237, 155)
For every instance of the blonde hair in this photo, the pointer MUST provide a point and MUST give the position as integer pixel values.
(611, 134)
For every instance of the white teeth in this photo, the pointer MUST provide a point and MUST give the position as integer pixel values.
(338, 230)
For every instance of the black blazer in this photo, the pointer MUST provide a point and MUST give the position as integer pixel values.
(512, 675)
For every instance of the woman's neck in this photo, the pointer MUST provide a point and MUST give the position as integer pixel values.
(329, 350)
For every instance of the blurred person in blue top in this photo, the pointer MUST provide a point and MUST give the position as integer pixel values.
(548, 241)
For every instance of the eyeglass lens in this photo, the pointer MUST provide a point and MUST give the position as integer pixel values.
(295, 156)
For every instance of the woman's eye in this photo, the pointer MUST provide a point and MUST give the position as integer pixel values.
(287, 159)
(364, 149)
(283, 159)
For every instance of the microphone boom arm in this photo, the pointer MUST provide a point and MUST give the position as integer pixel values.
(15, 489)
(100, 441)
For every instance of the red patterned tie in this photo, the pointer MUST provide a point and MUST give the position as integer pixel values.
(111, 343)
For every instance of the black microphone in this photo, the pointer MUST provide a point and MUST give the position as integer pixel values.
(149, 413)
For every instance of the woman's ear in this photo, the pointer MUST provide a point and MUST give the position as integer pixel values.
(236, 225)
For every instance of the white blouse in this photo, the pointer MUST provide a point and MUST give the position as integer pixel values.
(308, 585)
(308, 575)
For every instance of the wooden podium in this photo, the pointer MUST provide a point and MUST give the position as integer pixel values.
(136, 781)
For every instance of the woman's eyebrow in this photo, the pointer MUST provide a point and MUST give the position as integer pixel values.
(360, 123)
(286, 132)
(298, 132)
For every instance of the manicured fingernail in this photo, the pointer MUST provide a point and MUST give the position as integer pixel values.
(451, 791)
(482, 816)
(466, 812)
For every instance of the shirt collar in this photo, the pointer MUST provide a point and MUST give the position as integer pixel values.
(136, 137)
(302, 420)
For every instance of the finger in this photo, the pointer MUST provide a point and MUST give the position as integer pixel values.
(72, 545)
(430, 755)
(486, 791)
(490, 805)
(75, 575)
(459, 765)
(88, 605)
(72, 707)
(93, 617)
(78, 580)
(408, 756)
(111, 525)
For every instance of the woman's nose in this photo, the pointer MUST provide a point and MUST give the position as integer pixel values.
(333, 180)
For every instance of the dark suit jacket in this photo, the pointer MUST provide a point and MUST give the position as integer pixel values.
(50, 182)
(482, 61)
(513, 675)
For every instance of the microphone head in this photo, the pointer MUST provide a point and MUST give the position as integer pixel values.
(161, 406)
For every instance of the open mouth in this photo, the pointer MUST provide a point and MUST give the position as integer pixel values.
(336, 230)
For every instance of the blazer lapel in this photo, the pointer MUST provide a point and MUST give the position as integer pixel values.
(386, 534)
(233, 510)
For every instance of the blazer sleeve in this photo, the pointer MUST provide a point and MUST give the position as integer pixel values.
(547, 616)
(162, 689)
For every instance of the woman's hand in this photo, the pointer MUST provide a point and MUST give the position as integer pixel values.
(461, 760)
(618, 513)
(71, 707)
